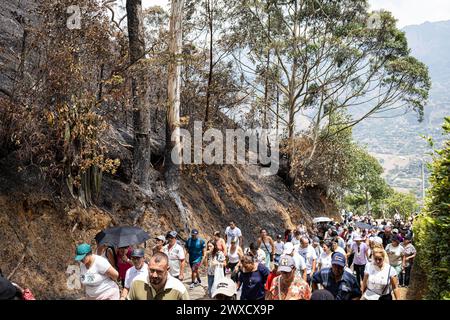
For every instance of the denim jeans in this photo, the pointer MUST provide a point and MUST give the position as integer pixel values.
(210, 284)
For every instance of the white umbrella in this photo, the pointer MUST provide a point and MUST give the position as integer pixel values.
(321, 219)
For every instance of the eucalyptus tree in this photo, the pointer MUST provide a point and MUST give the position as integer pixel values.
(328, 56)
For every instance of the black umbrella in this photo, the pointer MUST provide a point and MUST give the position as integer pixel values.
(362, 225)
(122, 236)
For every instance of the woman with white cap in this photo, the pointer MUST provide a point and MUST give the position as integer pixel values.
(97, 275)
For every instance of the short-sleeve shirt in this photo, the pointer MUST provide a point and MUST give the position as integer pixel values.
(231, 233)
(309, 254)
(298, 290)
(175, 254)
(95, 279)
(360, 253)
(195, 249)
(142, 290)
(132, 273)
(279, 246)
(409, 251)
(253, 283)
(300, 263)
(325, 260)
(395, 254)
(346, 289)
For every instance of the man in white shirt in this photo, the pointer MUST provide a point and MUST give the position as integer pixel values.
(140, 268)
(232, 231)
(309, 254)
(176, 255)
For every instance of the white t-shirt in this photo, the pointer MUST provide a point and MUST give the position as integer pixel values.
(231, 233)
(132, 273)
(378, 280)
(175, 254)
(339, 249)
(279, 247)
(300, 263)
(309, 254)
(395, 254)
(325, 260)
(295, 241)
(94, 279)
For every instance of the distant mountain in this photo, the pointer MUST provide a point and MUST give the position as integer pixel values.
(396, 142)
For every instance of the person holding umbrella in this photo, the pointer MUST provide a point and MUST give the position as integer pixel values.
(159, 247)
(123, 263)
(97, 275)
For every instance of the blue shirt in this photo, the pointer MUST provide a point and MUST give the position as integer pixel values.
(346, 289)
(253, 283)
(195, 249)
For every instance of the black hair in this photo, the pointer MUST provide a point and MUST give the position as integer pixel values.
(159, 257)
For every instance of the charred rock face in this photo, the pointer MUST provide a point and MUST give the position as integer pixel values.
(16, 16)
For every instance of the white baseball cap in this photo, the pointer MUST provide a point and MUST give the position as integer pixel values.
(225, 286)
(288, 248)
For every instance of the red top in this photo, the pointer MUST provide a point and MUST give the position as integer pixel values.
(270, 278)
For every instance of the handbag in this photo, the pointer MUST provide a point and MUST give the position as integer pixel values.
(382, 296)
(387, 296)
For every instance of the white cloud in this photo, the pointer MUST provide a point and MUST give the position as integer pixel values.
(414, 11)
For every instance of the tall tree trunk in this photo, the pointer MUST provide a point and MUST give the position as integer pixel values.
(292, 104)
(210, 72)
(141, 111)
(173, 147)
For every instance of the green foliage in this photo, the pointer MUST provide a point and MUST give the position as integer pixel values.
(433, 225)
(403, 203)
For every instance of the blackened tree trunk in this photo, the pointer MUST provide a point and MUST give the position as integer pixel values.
(141, 110)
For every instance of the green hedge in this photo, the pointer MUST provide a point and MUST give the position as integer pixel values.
(432, 227)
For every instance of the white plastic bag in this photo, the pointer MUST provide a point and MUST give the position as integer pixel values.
(218, 275)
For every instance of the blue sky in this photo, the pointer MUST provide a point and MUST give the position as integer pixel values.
(406, 11)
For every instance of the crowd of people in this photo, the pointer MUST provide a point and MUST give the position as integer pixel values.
(359, 258)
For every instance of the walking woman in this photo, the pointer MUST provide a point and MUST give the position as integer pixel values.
(97, 275)
(325, 257)
(410, 254)
(361, 254)
(396, 254)
(214, 259)
(380, 279)
(235, 254)
(266, 244)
